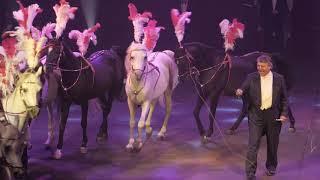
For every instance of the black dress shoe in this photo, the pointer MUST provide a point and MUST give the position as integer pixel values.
(270, 172)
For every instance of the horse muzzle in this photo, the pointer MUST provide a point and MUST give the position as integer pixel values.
(33, 111)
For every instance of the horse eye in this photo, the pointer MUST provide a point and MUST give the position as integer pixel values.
(131, 58)
(24, 90)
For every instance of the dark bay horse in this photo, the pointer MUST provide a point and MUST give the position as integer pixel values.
(82, 80)
(213, 75)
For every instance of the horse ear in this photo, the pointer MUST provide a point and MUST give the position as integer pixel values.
(39, 71)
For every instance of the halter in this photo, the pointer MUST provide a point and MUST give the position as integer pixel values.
(57, 67)
(192, 69)
(154, 67)
(27, 107)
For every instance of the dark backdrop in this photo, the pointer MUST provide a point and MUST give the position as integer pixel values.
(304, 47)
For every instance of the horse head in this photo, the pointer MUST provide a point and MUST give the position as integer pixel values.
(12, 146)
(183, 59)
(29, 86)
(54, 51)
(136, 59)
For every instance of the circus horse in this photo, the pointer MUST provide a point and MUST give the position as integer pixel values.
(213, 78)
(151, 78)
(81, 81)
(19, 106)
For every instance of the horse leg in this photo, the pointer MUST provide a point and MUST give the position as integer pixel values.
(196, 113)
(148, 121)
(243, 113)
(213, 107)
(168, 99)
(132, 110)
(292, 120)
(141, 123)
(64, 112)
(84, 120)
(51, 125)
(106, 106)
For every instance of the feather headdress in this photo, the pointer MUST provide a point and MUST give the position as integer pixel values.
(25, 16)
(83, 38)
(151, 35)
(231, 32)
(9, 60)
(64, 12)
(179, 21)
(138, 21)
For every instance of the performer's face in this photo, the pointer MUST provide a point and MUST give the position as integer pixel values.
(263, 68)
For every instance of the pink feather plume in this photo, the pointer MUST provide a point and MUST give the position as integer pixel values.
(138, 21)
(151, 34)
(231, 32)
(64, 12)
(25, 16)
(179, 21)
(83, 38)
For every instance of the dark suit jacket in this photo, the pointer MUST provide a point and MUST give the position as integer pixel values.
(252, 90)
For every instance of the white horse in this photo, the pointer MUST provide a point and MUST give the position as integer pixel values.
(151, 77)
(18, 108)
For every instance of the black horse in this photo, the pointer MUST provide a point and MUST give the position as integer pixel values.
(214, 73)
(82, 80)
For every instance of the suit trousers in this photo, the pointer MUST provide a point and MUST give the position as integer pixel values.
(265, 125)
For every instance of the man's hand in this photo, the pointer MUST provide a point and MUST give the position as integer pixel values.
(239, 92)
(283, 118)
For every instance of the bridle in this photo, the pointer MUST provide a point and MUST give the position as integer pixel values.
(145, 71)
(56, 66)
(193, 70)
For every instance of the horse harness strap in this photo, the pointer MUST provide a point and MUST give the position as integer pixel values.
(227, 60)
(89, 65)
(154, 67)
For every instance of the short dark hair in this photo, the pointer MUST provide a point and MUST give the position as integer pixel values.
(265, 59)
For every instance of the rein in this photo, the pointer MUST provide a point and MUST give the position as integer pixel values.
(193, 70)
(57, 67)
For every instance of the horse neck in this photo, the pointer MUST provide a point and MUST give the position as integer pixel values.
(69, 61)
(14, 106)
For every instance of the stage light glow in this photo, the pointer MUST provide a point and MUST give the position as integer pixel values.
(89, 9)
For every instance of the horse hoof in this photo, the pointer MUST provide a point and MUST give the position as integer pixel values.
(149, 133)
(161, 136)
(204, 140)
(57, 154)
(129, 148)
(230, 132)
(101, 139)
(292, 129)
(83, 150)
(29, 146)
(137, 146)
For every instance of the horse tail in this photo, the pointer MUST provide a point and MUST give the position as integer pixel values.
(173, 70)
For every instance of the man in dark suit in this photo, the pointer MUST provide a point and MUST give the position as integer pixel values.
(267, 108)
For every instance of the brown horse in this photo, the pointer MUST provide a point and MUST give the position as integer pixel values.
(213, 76)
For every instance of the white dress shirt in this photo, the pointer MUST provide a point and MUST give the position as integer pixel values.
(266, 91)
